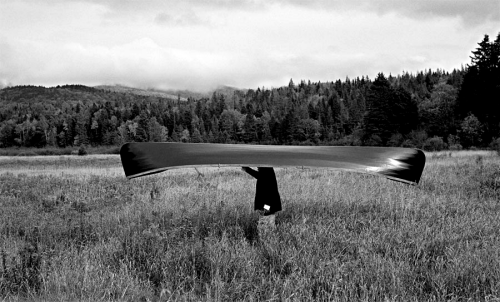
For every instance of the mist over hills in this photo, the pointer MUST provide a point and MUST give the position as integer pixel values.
(144, 92)
(183, 95)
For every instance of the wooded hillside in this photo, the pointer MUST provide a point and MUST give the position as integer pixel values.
(430, 109)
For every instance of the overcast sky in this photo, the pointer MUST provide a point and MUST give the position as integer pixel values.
(200, 44)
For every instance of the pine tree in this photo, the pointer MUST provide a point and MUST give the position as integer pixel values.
(389, 111)
(480, 91)
(142, 132)
(81, 129)
(250, 129)
(196, 137)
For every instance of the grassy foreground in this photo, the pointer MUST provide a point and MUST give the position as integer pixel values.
(73, 228)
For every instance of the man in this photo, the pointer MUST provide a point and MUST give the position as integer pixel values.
(267, 197)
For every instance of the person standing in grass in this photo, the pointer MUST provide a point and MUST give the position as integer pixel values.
(267, 197)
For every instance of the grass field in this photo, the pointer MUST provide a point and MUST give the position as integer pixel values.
(74, 229)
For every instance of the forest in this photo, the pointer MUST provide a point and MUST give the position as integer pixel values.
(432, 109)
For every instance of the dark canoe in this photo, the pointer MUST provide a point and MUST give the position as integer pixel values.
(401, 164)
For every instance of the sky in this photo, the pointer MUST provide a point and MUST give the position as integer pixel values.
(201, 44)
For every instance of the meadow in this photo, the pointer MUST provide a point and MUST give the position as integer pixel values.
(73, 228)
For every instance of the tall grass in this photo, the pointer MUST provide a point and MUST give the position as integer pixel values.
(179, 235)
(22, 151)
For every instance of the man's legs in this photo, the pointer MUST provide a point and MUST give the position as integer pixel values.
(267, 222)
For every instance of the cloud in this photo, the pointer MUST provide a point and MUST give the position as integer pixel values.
(471, 12)
(139, 63)
(196, 44)
(184, 19)
(175, 12)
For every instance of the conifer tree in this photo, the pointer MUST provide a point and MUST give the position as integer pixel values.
(142, 131)
(480, 91)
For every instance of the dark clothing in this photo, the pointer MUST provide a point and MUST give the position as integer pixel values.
(266, 190)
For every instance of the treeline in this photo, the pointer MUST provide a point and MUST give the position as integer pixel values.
(430, 109)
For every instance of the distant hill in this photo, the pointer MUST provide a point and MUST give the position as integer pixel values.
(76, 94)
(227, 91)
(144, 92)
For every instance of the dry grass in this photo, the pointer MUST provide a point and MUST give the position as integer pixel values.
(73, 228)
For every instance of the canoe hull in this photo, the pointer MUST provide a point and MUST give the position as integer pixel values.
(401, 164)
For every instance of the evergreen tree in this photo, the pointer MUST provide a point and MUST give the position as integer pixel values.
(142, 132)
(389, 111)
(250, 129)
(7, 134)
(196, 137)
(81, 130)
(480, 91)
(437, 113)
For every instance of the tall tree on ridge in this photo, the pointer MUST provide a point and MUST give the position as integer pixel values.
(480, 91)
(389, 111)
